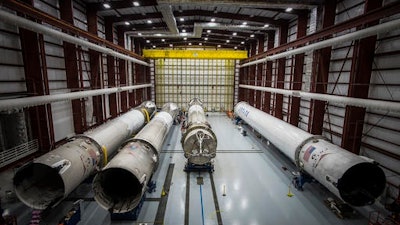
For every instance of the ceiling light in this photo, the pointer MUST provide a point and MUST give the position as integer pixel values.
(242, 42)
(208, 31)
(182, 19)
(136, 4)
(200, 43)
(234, 34)
(235, 47)
(163, 40)
(106, 5)
(219, 46)
(127, 23)
(185, 38)
(289, 9)
(149, 21)
(206, 39)
(266, 25)
(154, 46)
(140, 34)
(190, 43)
(147, 41)
(184, 31)
(252, 35)
(244, 23)
(227, 41)
(212, 19)
(171, 45)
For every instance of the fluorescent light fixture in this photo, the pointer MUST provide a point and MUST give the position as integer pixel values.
(252, 35)
(163, 40)
(182, 19)
(227, 41)
(266, 25)
(242, 42)
(190, 43)
(234, 34)
(219, 46)
(184, 31)
(154, 46)
(136, 4)
(244, 23)
(200, 43)
(171, 45)
(140, 34)
(208, 31)
(149, 21)
(235, 47)
(147, 41)
(106, 5)
(185, 38)
(289, 9)
(212, 19)
(127, 23)
(206, 39)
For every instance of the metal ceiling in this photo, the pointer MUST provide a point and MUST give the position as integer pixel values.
(180, 23)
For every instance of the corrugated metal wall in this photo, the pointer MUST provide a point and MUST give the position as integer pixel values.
(180, 80)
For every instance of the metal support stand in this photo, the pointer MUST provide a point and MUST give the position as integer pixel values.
(300, 179)
(190, 167)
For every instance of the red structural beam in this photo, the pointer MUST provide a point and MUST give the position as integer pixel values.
(139, 73)
(360, 75)
(268, 73)
(71, 70)
(259, 74)
(385, 11)
(112, 98)
(298, 72)
(94, 61)
(320, 73)
(35, 85)
(122, 72)
(250, 94)
(280, 81)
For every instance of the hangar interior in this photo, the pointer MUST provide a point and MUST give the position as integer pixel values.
(103, 101)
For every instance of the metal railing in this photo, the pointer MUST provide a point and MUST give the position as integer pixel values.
(18, 152)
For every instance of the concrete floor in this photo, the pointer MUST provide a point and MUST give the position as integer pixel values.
(247, 170)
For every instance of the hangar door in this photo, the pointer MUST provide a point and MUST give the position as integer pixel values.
(181, 79)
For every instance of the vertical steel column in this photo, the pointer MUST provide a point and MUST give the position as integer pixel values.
(138, 73)
(35, 86)
(280, 81)
(94, 61)
(320, 72)
(122, 72)
(360, 75)
(298, 71)
(112, 98)
(268, 73)
(259, 73)
(71, 69)
(241, 91)
(251, 75)
(131, 98)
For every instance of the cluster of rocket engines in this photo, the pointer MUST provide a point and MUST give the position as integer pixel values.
(120, 183)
